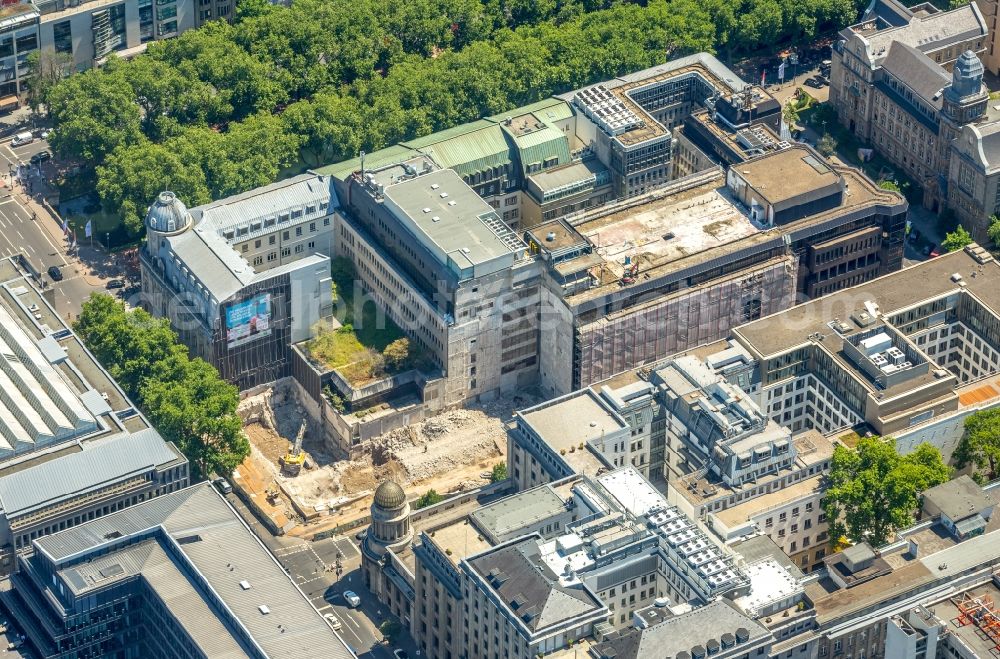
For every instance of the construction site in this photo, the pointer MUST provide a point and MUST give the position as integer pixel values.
(295, 479)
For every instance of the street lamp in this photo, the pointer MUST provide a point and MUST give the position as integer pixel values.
(793, 59)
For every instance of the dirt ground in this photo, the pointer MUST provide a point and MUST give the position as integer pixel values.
(450, 452)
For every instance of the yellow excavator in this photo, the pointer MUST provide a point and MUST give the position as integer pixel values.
(292, 463)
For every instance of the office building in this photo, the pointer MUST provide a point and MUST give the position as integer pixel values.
(888, 354)
(242, 279)
(909, 83)
(41, 497)
(543, 569)
(72, 446)
(179, 576)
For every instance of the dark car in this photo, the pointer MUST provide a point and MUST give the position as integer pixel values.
(55, 273)
(928, 248)
(115, 283)
(914, 235)
(39, 157)
(813, 82)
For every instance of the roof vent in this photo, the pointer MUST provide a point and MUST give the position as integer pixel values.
(436, 218)
(698, 652)
(434, 186)
(245, 585)
(742, 635)
(263, 609)
(465, 250)
(426, 210)
(957, 277)
(444, 195)
(550, 236)
(728, 640)
(451, 203)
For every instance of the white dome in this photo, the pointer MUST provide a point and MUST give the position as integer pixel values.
(168, 214)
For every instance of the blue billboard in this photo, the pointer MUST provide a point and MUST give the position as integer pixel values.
(248, 320)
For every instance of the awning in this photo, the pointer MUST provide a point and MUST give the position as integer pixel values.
(8, 100)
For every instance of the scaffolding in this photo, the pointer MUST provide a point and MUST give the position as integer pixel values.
(981, 612)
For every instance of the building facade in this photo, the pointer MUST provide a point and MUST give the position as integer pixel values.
(246, 280)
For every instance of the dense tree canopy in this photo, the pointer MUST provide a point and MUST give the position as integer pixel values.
(873, 490)
(184, 398)
(322, 79)
(980, 445)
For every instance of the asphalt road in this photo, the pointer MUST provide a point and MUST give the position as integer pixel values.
(20, 233)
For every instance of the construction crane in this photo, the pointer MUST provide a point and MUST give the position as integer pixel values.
(292, 463)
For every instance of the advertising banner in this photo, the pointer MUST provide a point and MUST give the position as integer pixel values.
(248, 320)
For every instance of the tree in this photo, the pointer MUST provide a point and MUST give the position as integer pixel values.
(980, 444)
(873, 489)
(499, 472)
(397, 353)
(888, 184)
(428, 498)
(827, 145)
(993, 231)
(94, 113)
(956, 240)
(184, 398)
(196, 409)
(390, 629)
(46, 69)
(133, 175)
(790, 113)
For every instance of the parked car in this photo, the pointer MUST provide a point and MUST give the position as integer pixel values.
(332, 619)
(928, 248)
(55, 273)
(223, 485)
(22, 138)
(352, 599)
(813, 82)
(914, 234)
(39, 157)
(115, 283)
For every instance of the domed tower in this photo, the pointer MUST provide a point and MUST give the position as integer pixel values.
(390, 528)
(389, 532)
(965, 100)
(167, 216)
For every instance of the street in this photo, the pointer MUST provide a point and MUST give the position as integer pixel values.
(27, 227)
(312, 566)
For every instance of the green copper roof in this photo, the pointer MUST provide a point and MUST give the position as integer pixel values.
(388, 156)
(470, 151)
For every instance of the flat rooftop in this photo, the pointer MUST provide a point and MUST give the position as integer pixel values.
(459, 539)
(689, 223)
(551, 180)
(567, 422)
(786, 174)
(442, 211)
(971, 635)
(752, 507)
(860, 193)
(811, 448)
(895, 291)
(832, 603)
(519, 511)
(208, 541)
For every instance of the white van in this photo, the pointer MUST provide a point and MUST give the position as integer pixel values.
(22, 138)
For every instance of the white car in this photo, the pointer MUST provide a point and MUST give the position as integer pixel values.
(332, 619)
(352, 599)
